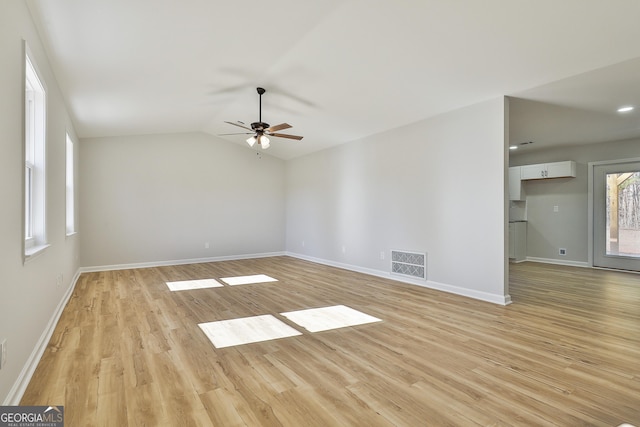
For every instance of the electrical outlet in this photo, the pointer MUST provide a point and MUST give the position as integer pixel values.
(206, 245)
(3, 353)
(562, 251)
(59, 279)
(344, 249)
(382, 255)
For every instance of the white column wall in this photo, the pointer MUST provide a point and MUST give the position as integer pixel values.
(436, 186)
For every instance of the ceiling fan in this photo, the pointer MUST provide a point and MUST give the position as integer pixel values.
(261, 130)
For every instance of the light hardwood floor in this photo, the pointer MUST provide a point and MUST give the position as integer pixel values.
(129, 352)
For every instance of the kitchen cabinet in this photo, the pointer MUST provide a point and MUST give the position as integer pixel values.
(565, 169)
(516, 189)
(518, 241)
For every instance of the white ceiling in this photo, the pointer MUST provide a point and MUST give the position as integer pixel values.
(339, 70)
(579, 110)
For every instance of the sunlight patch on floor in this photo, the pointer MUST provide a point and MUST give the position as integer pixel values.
(186, 285)
(326, 318)
(245, 330)
(246, 280)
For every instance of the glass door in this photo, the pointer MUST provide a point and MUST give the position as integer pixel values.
(616, 216)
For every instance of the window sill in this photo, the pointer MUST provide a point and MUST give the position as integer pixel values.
(33, 252)
(73, 233)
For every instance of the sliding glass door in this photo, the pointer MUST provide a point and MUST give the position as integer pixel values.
(616, 215)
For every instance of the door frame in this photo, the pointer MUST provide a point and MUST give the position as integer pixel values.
(591, 167)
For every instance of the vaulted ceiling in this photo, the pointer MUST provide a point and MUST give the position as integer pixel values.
(339, 70)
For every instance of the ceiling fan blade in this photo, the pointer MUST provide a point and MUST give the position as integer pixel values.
(239, 125)
(284, 135)
(278, 127)
(241, 133)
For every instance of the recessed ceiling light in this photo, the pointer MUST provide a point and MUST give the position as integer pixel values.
(513, 147)
(625, 109)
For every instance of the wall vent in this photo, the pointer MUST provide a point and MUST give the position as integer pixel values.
(413, 264)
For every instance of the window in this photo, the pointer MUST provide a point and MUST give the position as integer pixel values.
(71, 206)
(34, 159)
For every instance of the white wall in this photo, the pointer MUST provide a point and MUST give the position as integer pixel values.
(547, 231)
(29, 294)
(160, 198)
(436, 186)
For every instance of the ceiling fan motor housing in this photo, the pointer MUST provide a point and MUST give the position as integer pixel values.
(259, 126)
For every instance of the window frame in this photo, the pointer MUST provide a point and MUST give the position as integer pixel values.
(70, 186)
(35, 135)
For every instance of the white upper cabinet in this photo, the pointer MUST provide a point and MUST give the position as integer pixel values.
(565, 169)
(533, 171)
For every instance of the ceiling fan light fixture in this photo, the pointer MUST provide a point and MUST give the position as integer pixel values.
(625, 109)
(251, 141)
(264, 142)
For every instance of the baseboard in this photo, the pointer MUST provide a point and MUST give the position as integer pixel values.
(20, 386)
(558, 262)
(177, 262)
(482, 296)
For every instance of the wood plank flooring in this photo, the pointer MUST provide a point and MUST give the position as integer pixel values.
(129, 352)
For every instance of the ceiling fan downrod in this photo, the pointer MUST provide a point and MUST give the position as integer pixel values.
(260, 125)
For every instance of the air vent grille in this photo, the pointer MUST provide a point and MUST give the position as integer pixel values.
(413, 264)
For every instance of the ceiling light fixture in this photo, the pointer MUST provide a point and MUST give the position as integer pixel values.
(625, 109)
(513, 147)
(261, 139)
